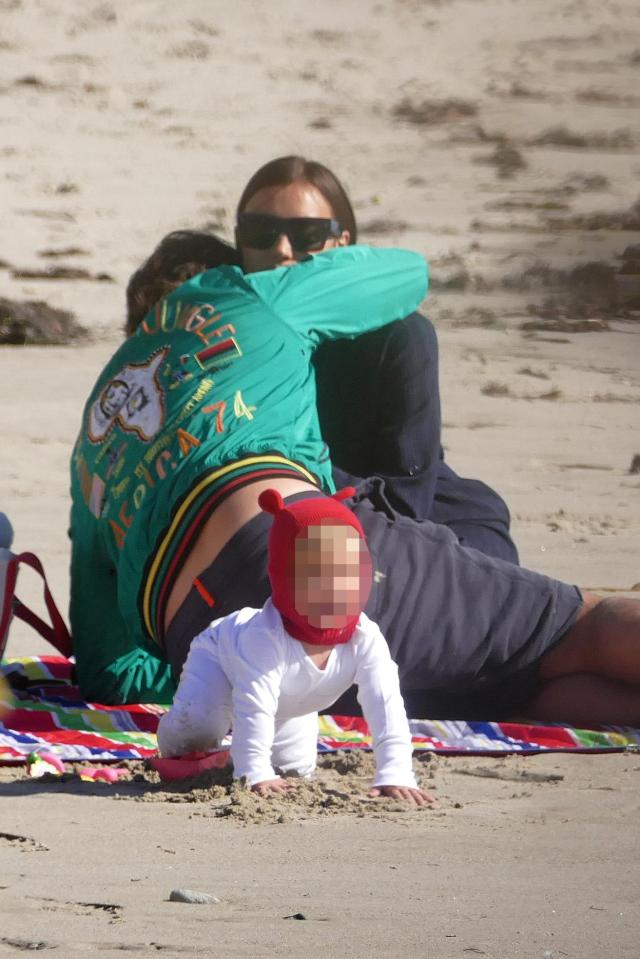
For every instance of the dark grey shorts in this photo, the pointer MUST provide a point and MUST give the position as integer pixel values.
(466, 630)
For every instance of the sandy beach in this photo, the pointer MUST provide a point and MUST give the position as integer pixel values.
(500, 139)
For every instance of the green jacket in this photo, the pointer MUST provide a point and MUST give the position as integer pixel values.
(218, 374)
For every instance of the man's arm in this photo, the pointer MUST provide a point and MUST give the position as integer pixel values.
(344, 292)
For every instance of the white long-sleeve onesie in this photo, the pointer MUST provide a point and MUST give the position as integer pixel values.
(246, 671)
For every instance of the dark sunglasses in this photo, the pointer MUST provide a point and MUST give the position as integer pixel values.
(307, 234)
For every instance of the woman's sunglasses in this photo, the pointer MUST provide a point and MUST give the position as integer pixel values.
(306, 234)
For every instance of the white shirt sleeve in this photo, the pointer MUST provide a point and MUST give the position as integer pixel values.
(256, 689)
(383, 707)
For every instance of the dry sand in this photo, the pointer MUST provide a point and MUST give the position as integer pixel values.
(500, 138)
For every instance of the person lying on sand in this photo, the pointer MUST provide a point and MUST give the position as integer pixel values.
(266, 673)
(473, 636)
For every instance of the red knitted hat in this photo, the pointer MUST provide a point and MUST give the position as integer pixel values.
(289, 522)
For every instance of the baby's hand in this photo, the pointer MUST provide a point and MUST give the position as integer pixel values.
(269, 786)
(417, 797)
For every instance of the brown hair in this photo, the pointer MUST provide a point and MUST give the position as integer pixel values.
(177, 257)
(295, 169)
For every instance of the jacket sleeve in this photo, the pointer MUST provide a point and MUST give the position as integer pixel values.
(114, 665)
(344, 292)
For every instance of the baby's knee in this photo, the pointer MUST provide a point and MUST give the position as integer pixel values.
(181, 731)
(304, 768)
(298, 757)
(295, 745)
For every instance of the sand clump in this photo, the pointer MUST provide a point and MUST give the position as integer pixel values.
(60, 273)
(339, 787)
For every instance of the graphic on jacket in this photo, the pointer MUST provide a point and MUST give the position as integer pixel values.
(133, 399)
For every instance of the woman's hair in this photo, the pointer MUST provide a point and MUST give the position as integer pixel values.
(294, 169)
(177, 257)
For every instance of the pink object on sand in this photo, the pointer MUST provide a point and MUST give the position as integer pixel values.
(190, 765)
(107, 774)
(39, 763)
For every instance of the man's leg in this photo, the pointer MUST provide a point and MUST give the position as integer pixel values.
(593, 673)
(583, 699)
(462, 626)
(604, 640)
(454, 618)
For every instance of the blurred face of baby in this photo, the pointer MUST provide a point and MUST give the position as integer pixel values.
(327, 575)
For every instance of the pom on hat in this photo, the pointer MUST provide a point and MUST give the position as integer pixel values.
(271, 501)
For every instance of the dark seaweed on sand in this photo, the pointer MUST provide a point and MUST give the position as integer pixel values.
(35, 322)
(433, 112)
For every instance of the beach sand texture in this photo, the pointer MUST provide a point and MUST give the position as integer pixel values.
(499, 138)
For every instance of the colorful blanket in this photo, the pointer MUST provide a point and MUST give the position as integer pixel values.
(43, 709)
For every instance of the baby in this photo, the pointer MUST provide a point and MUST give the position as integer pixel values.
(267, 672)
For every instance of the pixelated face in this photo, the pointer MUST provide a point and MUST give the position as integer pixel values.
(329, 565)
(114, 398)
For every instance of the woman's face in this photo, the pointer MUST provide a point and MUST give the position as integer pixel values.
(293, 200)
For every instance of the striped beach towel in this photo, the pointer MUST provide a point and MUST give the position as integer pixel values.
(41, 709)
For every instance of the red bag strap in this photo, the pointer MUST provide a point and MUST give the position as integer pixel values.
(57, 633)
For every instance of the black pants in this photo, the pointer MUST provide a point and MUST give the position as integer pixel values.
(379, 408)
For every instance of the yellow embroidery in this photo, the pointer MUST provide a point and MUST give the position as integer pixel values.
(240, 408)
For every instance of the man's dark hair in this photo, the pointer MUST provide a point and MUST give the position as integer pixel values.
(177, 257)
